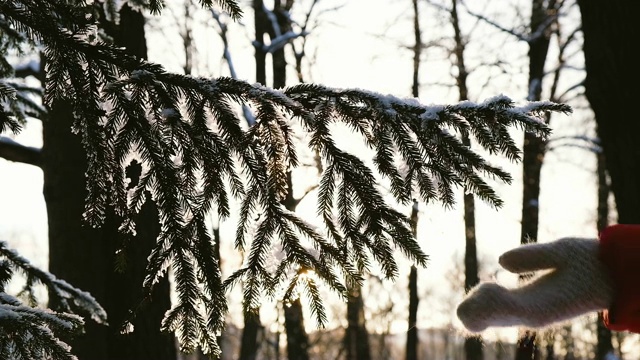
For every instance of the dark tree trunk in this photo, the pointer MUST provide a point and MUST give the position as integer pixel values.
(146, 310)
(126, 301)
(279, 62)
(261, 30)
(527, 348)
(412, 332)
(85, 256)
(297, 338)
(249, 344)
(604, 344)
(216, 252)
(411, 351)
(77, 253)
(356, 339)
(551, 353)
(610, 29)
(472, 344)
(534, 147)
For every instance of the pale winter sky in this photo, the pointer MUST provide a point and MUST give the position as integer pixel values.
(349, 52)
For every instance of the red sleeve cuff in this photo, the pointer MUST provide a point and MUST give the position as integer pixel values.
(620, 252)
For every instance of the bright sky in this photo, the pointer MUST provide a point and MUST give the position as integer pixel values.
(348, 54)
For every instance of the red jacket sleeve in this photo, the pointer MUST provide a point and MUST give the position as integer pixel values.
(620, 252)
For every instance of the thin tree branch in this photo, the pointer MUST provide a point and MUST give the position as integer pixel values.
(14, 151)
(29, 68)
(246, 111)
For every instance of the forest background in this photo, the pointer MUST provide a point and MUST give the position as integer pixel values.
(369, 45)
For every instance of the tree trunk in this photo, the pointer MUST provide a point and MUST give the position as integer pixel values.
(609, 32)
(282, 25)
(472, 344)
(551, 353)
(534, 147)
(216, 252)
(604, 345)
(126, 301)
(77, 253)
(297, 339)
(85, 256)
(412, 333)
(356, 338)
(411, 351)
(527, 348)
(249, 344)
(261, 29)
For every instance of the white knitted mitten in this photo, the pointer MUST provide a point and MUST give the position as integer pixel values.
(577, 283)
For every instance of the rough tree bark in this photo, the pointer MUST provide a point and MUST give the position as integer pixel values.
(610, 30)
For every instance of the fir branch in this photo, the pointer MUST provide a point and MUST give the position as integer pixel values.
(29, 332)
(229, 6)
(316, 303)
(9, 120)
(71, 300)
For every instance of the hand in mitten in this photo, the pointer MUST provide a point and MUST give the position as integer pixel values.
(577, 283)
(583, 275)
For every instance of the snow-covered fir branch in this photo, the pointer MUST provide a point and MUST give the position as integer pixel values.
(30, 332)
